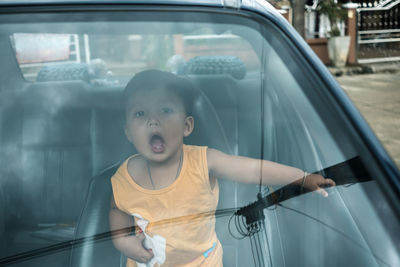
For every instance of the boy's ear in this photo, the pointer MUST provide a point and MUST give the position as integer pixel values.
(189, 126)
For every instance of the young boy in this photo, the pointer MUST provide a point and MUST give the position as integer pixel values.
(168, 180)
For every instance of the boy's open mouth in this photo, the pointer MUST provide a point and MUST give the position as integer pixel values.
(157, 144)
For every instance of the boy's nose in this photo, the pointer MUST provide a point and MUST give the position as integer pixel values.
(153, 122)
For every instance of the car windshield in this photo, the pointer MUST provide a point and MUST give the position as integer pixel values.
(65, 131)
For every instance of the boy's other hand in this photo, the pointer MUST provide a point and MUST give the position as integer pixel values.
(141, 254)
(316, 182)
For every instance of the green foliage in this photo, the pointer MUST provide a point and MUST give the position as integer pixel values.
(335, 13)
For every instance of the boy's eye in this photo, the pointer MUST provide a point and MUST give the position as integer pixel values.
(139, 114)
(166, 110)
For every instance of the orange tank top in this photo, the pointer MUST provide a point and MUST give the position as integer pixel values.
(182, 213)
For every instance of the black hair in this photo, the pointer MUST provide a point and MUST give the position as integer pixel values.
(155, 79)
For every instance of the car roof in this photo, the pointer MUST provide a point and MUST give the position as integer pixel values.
(221, 3)
(259, 6)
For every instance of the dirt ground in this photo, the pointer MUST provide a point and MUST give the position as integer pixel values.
(377, 96)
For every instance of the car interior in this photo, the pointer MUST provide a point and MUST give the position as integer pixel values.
(62, 138)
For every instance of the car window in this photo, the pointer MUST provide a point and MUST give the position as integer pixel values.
(123, 55)
(63, 134)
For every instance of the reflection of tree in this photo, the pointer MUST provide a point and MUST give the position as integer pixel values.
(157, 50)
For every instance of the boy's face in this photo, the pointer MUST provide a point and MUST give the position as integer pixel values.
(156, 124)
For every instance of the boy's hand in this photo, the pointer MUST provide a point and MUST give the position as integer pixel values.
(139, 252)
(316, 182)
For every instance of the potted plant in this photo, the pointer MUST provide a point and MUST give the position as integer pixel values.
(338, 46)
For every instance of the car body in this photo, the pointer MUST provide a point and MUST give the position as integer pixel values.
(261, 92)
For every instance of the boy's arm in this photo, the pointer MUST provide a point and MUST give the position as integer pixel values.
(131, 246)
(248, 170)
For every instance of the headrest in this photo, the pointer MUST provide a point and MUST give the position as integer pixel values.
(208, 65)
(64, 72)
(94, 70)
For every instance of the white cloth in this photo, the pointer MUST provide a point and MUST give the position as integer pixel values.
(157, 243)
